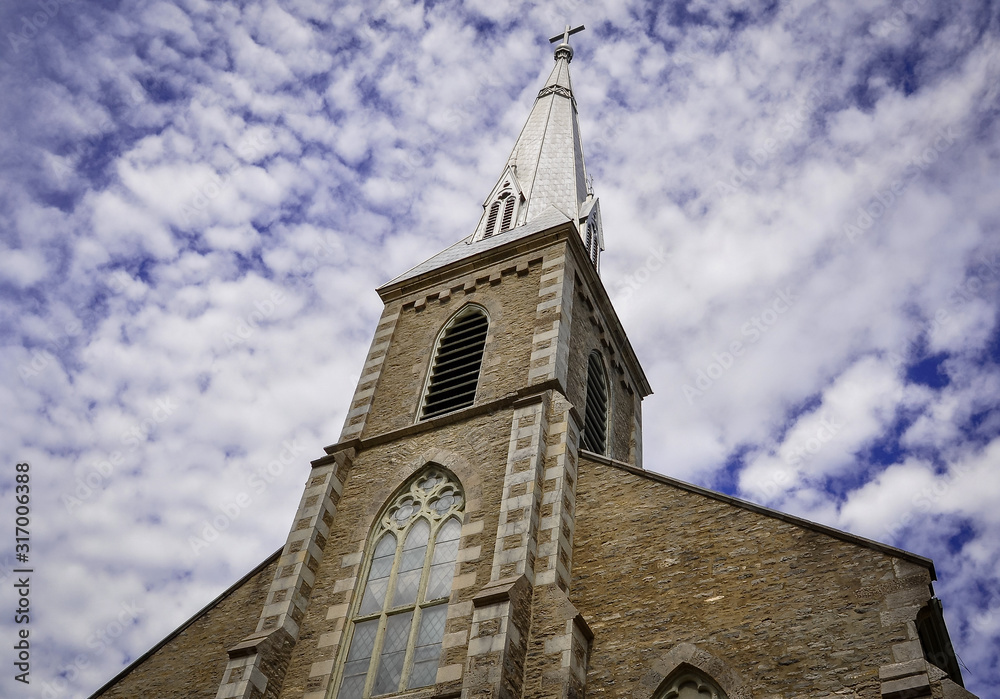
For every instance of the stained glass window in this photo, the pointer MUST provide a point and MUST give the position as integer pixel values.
(398, 625)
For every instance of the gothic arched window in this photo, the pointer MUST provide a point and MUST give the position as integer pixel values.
(397, 627)
(690, 684)
(501, 214)
(454, 374)
(595, 415)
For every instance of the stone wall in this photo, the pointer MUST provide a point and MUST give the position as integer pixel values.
(786, 610)
(475, 450)
(509, 293)
(589, 333)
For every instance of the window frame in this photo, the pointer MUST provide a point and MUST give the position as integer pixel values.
(606, 422)
(429, 373)
(416, 608)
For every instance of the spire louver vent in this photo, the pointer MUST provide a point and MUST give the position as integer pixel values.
(455, 373)
(596, 414)
(508, 214)
(491, 221)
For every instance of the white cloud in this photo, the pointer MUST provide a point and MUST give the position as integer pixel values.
(182, 164)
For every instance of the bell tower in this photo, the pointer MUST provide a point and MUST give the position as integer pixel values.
(483, 527)
(494, 363)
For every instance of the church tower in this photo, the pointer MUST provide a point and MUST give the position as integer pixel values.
(493, 364)
(484, 529)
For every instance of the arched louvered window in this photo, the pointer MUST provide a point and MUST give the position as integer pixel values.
(491, 220)
(595, 423)
(457, 361)
(593, 243)
(397, 627)
(508, 213)
(501, 213)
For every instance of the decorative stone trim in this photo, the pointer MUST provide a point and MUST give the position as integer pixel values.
(905, 680)
(515, 549)
(902, 597)
(263, 656)
(555, 534)
(467, 284)
(330, 641)
(361, 403)
(688, 655)
(498, 639)
(553, 321)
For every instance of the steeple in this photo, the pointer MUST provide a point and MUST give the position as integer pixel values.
(546, 166)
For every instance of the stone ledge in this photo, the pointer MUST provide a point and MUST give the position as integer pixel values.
(506, 590)
(910, 687)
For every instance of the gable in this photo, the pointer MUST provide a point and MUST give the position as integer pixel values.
(190, 662)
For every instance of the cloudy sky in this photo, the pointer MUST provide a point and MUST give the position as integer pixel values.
(801, 215)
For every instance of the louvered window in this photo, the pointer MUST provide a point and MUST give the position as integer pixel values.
(502, 213)
(595, 425)
(455, 372)
(398, 624)
(491, 220)
(593, 242)
(508, 214)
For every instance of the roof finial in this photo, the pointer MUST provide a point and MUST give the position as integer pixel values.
(564, 50)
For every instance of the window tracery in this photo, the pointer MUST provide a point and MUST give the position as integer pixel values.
(397, 628)
(690, 685)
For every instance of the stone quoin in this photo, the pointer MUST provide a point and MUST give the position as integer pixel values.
(458, 540)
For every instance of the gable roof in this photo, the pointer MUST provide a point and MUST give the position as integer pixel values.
(766, 511)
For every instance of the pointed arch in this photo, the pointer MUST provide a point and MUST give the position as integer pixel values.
(398, 614)
(596, 417)
(688, 682)
(453, 377)
(687, 667)
(503, 208)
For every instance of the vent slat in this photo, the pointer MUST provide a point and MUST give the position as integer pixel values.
(457, 364)
(595, 421)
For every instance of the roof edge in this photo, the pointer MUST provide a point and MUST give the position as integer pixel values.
(767, 511)
(197, 615)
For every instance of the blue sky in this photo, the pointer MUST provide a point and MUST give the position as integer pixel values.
(801, 215)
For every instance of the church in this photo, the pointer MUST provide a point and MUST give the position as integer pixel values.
(484, 527)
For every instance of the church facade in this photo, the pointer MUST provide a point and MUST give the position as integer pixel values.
(484, 527)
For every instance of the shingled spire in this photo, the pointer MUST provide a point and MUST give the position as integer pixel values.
(546, 167)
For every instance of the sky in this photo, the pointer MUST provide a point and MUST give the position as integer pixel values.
(199, 198)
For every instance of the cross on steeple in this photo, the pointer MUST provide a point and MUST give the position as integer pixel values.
(564, 50)
(566, 34)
